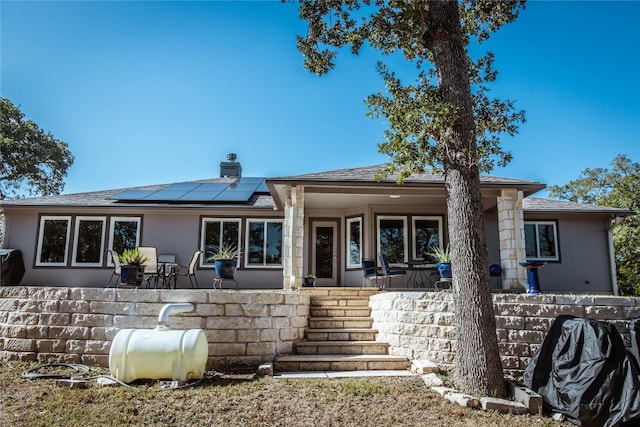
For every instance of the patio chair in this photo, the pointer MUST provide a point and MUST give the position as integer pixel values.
(150, 265)
(190, 270)
(167, 268)
(370, 272)
(116, 268)
(387, 272)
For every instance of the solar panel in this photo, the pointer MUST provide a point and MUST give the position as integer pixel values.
(234, 196)
(131, 195)
(166, 195)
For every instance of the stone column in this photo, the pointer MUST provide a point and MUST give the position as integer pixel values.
(511, 231)
(293, 238)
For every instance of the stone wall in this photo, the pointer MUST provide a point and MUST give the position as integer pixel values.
(421, 325)
(77, 325)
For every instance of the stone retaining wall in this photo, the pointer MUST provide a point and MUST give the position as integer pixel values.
(421, 325)
(77, 325)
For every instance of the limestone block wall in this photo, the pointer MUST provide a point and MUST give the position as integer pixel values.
(77, 325)
(421, 325)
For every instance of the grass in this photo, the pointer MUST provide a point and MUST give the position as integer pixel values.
(241, 400)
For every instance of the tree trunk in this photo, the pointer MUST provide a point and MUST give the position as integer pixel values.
(478, 365)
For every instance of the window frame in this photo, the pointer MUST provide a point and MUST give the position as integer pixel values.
(414, 239)
(264, 264)
(203, 224)
(405, 237)
(556, 242)
(41, 229)
(348, 222)
(76, 236)
(112, 221)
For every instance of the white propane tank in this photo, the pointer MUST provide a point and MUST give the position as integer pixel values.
(158, 354)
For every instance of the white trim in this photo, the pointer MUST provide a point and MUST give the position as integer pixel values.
(402, 218)
(537, 236)
(265, 221)
(76, 235)
(43, 220)
(114, 219)
(436, 218)
(350, 221)
(222, 221)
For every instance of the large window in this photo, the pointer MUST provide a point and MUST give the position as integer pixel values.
(88, 244)
(541, 240)
(53, 241)
(264, 243)
(354, 242)
(427, 234)
(217, 232)
(395, 237)
(125, 233)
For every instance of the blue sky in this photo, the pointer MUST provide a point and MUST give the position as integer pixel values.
(183, 83)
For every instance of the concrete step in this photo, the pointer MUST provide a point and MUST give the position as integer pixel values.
(340, 322)
(341, 347)
(339, 301)
(349, 334)
(329, 362)
(340, 312)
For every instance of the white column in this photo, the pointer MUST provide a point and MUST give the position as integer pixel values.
(293, 238)
(511, 231)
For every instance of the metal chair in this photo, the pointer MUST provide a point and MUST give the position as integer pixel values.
(370, 272)
(150, 265)
(387, 272)
(190, 270)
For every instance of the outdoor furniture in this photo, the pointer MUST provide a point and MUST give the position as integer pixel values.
(387, 272)
(190, 270)
(150, 265)
(116, 268)
(420, 274)
(217, 282)
(167, 267)
(370, 272)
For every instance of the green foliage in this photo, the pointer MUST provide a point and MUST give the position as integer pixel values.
(32, 162)
(618, 187)
(441, 255)
(419, 118)
(132, 257)
(224, 252)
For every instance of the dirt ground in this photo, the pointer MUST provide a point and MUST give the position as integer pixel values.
(238, 400)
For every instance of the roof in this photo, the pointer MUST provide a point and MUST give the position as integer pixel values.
(534, 204)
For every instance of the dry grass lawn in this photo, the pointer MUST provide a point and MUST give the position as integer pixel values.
(241, 400)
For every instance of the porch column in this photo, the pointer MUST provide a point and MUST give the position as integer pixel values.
(511, 232)
(293, 238)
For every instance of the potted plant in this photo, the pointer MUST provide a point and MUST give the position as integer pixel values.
(444, 261)
(132, 270)
(309, 281)
(225, 258)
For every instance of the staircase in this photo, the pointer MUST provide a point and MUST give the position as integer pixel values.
(339, 336)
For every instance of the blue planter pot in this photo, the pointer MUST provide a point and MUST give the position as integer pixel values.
(444, 268)
(225, 268)
(131, 274)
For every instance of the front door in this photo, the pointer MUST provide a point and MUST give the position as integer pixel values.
(324, 252)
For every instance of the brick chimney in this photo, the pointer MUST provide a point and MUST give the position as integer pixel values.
(230, 168)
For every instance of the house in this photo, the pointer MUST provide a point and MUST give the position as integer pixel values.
(322, 223)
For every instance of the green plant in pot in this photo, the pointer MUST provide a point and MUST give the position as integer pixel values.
(225, 258)
(309, 281)
(444, 260)
(132, 269)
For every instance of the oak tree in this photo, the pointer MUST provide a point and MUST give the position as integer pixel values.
(32, 161)
(617, 187)
(444, 120)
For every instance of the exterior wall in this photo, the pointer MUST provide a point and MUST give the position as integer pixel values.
(77, 325)
(421, 325)
(584, 256)
(171, 231)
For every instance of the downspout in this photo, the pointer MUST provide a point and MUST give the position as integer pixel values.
(615, 221)
(517, 214)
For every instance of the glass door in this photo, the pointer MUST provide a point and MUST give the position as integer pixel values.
(324, 252)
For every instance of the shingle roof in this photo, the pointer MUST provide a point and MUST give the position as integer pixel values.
(534, 204)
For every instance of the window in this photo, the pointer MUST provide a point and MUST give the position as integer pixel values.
(541, 239)
(264, 243)
(218, 232)
(125, 234)
(354, 242)
(53, 241)
(427, 233)
(392, 238)
(88, 244)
